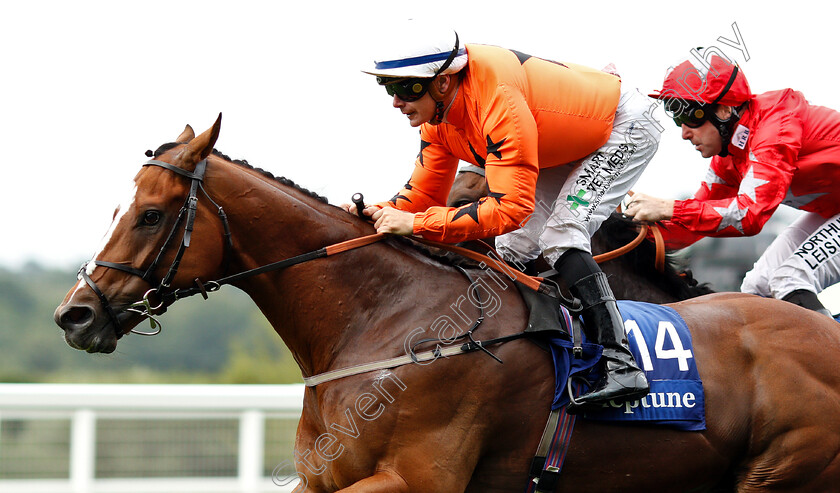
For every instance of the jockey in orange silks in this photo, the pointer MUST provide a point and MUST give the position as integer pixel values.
(561, 144)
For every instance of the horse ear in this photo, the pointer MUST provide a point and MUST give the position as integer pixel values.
(187, 135)
(201, 147)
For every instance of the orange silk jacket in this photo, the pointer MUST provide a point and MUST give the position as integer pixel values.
(512, 115)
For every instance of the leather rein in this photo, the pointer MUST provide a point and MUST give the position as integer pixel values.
(162, 289)
(659, 262)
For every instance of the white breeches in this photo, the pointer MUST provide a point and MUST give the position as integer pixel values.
(573, 200)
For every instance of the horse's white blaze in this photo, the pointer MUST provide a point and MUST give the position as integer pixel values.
(125, 205)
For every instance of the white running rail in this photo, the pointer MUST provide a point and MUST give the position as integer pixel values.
(82, 406)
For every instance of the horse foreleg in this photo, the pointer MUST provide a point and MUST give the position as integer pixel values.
(381, 482)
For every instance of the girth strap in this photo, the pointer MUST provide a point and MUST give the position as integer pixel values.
(423, 357)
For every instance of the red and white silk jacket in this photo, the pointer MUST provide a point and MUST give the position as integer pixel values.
(783, 151)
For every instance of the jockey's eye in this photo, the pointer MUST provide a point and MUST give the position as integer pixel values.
(150, 218)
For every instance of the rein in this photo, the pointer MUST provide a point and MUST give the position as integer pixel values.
(211, 286)
(659, 263)
(145, 307)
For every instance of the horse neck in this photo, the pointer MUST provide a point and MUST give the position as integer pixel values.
(321, 306)
(633, 276)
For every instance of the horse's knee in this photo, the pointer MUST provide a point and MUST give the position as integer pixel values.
(381, 482)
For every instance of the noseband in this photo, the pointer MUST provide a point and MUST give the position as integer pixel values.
(187, 216)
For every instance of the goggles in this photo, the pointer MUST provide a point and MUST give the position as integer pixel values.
(688, 113)
(407, 90)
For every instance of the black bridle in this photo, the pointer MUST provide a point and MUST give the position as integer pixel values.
(187, 216)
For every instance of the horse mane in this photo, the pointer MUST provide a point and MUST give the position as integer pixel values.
(618, 231)
(241, 162)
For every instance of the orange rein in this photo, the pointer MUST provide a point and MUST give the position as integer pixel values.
(658, 240)
(496, 264)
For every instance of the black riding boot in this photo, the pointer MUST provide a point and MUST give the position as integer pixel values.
(621, 380)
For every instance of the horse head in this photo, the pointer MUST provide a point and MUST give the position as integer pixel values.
(144, 253)
(469, 186)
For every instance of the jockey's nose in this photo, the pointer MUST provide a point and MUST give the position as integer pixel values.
(686, 132)
(397, 102)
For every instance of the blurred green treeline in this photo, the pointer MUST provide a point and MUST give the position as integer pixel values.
(222, 340)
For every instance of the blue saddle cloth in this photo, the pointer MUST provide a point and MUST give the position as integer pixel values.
(661, 343)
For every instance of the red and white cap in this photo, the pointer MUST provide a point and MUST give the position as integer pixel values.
(717, 81)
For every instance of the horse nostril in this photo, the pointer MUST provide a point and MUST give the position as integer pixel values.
(75, 317)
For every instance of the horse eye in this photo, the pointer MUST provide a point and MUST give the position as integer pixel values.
(461, 203)
(150, 218)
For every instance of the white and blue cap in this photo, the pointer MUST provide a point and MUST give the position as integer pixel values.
(420, 50)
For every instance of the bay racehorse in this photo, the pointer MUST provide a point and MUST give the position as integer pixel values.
(461, 423)
(632, 275)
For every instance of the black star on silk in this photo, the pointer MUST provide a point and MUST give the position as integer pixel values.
(480, 161)
(523, 57)
(423, 145)
(468, 210)
(397, 197)
(493, 147)
(497, 196)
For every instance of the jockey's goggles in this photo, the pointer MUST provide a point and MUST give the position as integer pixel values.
(407, 90)
(688, 113)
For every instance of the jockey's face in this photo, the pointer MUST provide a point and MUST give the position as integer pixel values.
(418, 112)
(423, 110)
(706, 138)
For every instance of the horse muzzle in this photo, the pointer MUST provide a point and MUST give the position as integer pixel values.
(86, 329)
